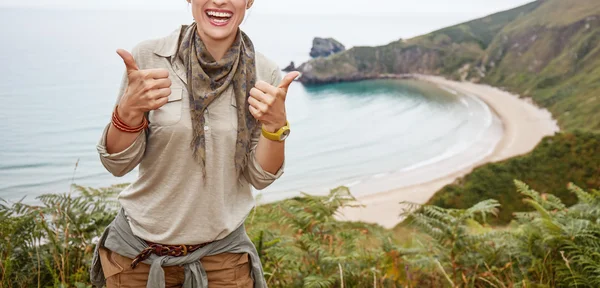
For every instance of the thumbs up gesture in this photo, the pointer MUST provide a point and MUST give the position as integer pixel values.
(146, 90)
(267, 102)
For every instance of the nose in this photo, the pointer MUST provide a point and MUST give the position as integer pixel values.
(219, 2)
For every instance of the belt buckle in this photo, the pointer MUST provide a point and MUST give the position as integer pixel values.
(184, 249)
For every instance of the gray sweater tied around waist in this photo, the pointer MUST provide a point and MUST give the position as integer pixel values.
(119, 238)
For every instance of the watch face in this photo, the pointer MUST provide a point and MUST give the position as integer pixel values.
(285, 134)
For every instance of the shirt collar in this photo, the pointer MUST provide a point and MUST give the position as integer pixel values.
(167, 47)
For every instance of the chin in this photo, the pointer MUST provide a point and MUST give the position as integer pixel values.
(219, 34)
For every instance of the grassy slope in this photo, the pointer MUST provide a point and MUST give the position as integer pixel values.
(481, 31)
(556, 161)
(553, 55)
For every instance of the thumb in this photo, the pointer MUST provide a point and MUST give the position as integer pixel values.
(288, 79)
(128, 60)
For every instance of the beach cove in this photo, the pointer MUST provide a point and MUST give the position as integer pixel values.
(522, 123)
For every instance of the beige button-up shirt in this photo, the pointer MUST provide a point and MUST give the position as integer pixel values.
(170, 202)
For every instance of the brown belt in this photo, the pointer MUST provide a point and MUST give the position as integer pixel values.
(165, 250)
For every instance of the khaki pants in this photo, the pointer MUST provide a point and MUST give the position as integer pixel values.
(224, 271)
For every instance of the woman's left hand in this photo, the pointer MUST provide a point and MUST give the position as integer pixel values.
(267, 102)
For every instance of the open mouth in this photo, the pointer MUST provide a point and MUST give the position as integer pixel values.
(219, 17)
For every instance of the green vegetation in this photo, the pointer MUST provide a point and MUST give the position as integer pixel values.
(559, 159)
(302, 245)
(51, 244)
(553, 246)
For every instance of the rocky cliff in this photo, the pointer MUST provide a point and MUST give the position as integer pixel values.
(323, 47)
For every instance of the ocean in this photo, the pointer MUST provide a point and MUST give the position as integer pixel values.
(60, 76)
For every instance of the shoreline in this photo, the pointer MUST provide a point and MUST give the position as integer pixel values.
(523, 125)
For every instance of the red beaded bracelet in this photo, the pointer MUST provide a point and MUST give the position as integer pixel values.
(119, 124)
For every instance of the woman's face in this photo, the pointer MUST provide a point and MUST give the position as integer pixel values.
(219, 19)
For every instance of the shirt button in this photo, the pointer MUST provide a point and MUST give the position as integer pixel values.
(206, 128)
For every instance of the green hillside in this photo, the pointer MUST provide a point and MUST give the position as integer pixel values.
(553, 56)
(559, 159)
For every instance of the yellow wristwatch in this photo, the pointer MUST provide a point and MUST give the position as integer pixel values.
(279, 135)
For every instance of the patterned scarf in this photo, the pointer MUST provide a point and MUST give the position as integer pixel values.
(208, 79)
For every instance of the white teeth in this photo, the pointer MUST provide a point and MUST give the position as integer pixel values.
(219, 14)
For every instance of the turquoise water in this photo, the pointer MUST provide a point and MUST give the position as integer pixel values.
(60, 78)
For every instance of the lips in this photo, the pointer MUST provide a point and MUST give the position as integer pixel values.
(219, 17)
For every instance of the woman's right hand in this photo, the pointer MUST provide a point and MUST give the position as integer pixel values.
(146, 90)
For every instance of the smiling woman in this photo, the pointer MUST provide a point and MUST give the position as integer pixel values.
(203, 115)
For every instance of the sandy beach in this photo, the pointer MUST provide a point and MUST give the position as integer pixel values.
(522, 125)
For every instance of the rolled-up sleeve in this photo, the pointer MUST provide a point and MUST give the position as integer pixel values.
(254, 173)
(122, 162)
